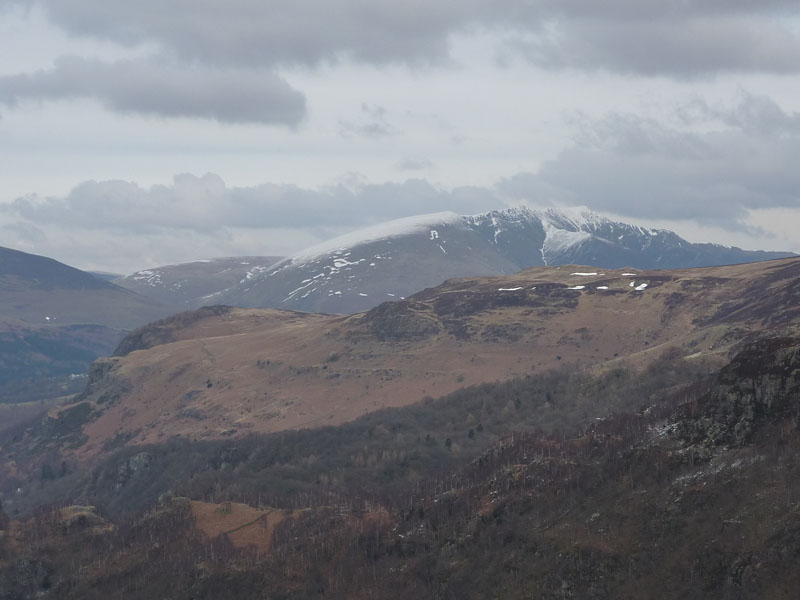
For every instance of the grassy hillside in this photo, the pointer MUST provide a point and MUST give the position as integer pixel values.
(380, 452)
(697, 496)
(223, 373)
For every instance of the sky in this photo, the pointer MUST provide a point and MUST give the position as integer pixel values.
(137, 134)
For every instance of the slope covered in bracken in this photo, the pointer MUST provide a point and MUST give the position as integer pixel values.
(695, 496)
(227, 373)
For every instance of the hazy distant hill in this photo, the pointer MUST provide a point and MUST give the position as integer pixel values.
(188, 285)
(55, 320)
(105, 275)
(39, 290)
(398, 258)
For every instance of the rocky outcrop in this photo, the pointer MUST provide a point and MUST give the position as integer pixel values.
(132, 468)
(760, 387)
(163, 331)
(402, 321)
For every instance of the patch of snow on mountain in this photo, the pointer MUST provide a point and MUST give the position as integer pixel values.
(148, 276)
(586, 274)
(577, 287)
(571, 218)
(497, 229)
(641, 287)
(557, 241)
(339, 263)
(516, 289)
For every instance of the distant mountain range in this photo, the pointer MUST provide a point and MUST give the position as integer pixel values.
(41, 291)
(396, 259)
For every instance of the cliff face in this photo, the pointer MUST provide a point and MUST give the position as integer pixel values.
(757, 392)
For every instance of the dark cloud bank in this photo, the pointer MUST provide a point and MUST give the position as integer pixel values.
(204, 46)
(150, 88)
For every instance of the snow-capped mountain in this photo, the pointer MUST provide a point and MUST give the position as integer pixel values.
(362, 269)
(187, 284)
(395, 259)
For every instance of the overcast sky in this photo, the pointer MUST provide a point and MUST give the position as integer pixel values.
(134, 134)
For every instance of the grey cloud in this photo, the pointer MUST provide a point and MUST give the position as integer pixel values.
(372, 123)
(673, 37)
(756, 115)
(10, 4)
(258, 32)
(219, 61)
(677, 47)
(414, 164)
(633, 135)
(206, 204)
(144, 87)
(632, 166)
(25, 233)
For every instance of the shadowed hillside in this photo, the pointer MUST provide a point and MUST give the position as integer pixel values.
(696, 496)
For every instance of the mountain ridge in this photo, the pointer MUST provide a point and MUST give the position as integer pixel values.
(395, 259)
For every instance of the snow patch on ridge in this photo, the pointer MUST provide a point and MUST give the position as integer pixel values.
(558, 241)
(148, 276)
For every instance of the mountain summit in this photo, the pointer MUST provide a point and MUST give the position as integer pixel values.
(395, 259)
